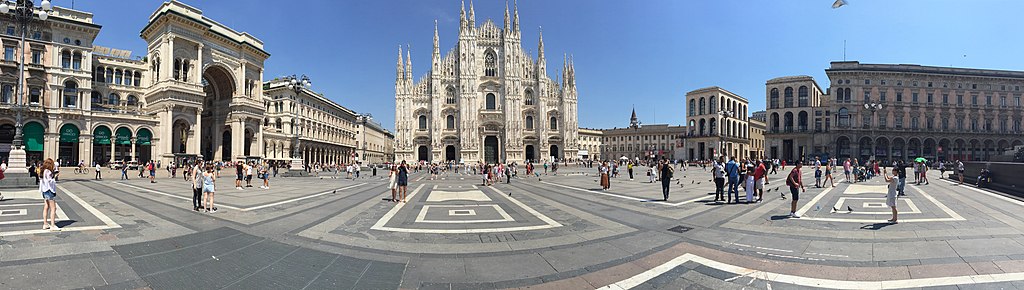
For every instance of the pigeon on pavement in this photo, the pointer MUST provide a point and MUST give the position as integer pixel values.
(835, 209)
(848, 208)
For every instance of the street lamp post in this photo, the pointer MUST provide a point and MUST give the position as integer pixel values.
(23, 12)
(874, 107)
(725, 114)
(298, 85)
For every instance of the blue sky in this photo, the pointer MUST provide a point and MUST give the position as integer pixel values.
(646, 54)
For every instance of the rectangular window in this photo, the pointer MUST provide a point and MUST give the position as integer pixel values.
(9, 53)
(931, 121)
(945, 99)
(898, 122)
(988, 100)
(899, 97)
(37, 57)
(913, 123)
(945, 124)
(881, 96)
(929, 84)
(929, 98)
(10, 30)
(1017, 100)
(867, 82)
(960, 100)
(867, 96)
(960, 124)
(1002, 101)
(913, 98)
(974, 100)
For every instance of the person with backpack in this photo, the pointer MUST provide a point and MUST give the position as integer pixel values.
(666, 177)
(795, 186)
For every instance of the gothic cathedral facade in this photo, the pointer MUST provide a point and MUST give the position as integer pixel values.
(486, 100)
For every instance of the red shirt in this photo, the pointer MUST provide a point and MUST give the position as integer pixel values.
(759, 172)
(794, 178)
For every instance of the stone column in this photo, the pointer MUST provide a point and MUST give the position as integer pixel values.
(237, 134)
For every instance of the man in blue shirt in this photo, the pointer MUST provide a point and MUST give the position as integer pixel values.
(732, 170)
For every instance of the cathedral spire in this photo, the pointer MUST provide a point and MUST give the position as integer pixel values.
(541, 62)
(515, 20)
(400, 71)
(462, 16)
(633, 121)
(408, 63)
(435, 65)
(507, 27)
(472, 15)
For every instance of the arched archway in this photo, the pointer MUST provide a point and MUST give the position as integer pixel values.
(101, 136)
(531, 153)
(143, 145)
(554, 152)
(226, 148)
(449, 153)
(491, 149)
(247, 146)
(423, 154)
(67, 150)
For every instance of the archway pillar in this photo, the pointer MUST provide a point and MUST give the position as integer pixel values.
(166, 133)
(197, 130)
(237, 139)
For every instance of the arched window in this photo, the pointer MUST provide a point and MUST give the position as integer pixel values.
(113, 99)
(701, 106)
(802, 96)
(110, 75)
(692, 108)
(848, 95)
(7, 95)
(184, 71)
(788, 98)
(65, 59)
(277, 123)
(528, 95)
(450, 122)
(133, 100)
(155, 68)
(138, 79)
(98, 74)
(423, 122)
(711, 104)
(844, 117)
(118, 75)
(839, 95)
(97, 97)
(70, 94)
(76, 61)
(449, 95)
(490, 64)
(491, 102)
(529, 122)
(177, 69)
(554, 123)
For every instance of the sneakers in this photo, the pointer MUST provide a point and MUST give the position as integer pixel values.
(239, 188)
(793, 215)
(214, 210)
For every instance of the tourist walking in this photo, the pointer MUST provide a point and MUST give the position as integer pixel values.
(652, 174)
(239, 175)
(890, 196)
(666, 177)
(209, 180)
(942, 169)
(605, 178)
(828, 175)
(960, 170)
(393, 182)
(265, 176)
(248, 174)
(924, 174)
(759, 178)
(732, 170)
(795, 186)
(152, 172)
(750, 183)
(846, 169)
(98, 176)
(197, 186)
(48, 188)
(403, 180)
(629, 169)
(718, 174)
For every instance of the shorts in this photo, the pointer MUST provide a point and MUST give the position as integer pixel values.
(795, 191)
(403, 182)
(152, 173)
(238, 177)
(49, 195)
(759, 184)
(248, 178)
(207, 188)
(847, 172)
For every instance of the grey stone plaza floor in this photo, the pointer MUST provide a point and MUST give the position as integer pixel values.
(547, 232)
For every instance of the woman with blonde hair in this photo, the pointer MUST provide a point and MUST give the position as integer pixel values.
(48, 187)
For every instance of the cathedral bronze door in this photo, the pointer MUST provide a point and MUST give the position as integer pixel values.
(423, 154)
(449, 153)
(491, 149)
(554, 153)
(530, 153)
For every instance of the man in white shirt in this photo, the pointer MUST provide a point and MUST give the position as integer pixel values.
(98, 177)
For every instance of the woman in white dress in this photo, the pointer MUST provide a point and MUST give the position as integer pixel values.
(393, 182)
(890, 196)
(750, 183)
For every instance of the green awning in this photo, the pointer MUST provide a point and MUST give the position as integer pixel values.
(101, 135)
(144, 137)
(69, 133)
(123, 136)
(32, 135)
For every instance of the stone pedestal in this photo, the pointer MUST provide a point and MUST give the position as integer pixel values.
(18, 180)
(17, 163)
(296, 165)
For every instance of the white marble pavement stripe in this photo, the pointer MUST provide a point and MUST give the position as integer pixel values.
(248, 208)
(812, 282)
(625, 196)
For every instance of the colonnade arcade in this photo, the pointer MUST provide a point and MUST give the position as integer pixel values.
(908, 148)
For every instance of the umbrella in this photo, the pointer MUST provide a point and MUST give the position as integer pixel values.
(920, 159)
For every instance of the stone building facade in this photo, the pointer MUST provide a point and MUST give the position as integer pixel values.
(794, 117)
(643, 142)
(919, 111)
(717, 123)
(757, 139)
(591, 143)
(939, 113)
(485, 100)
(197, 92)
(299, 118)
(374, 144)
